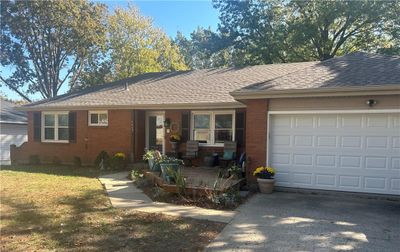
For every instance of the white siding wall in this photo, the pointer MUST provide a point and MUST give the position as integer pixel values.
(11, 134)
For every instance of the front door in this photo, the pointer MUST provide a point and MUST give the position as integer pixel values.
(155, 131)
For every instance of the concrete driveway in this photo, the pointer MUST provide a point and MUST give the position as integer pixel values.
(302, 222)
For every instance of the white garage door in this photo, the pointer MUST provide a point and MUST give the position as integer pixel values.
(10, 134)
(345, 152)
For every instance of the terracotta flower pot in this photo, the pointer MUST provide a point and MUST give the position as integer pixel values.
(266, 185)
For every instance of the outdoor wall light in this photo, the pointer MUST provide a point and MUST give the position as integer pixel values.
(167, 123)
(371, 102)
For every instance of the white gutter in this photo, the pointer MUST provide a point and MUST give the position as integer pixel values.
(192, 106)
(317, 92)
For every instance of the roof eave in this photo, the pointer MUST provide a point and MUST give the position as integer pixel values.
(185, 106)
(317, 92)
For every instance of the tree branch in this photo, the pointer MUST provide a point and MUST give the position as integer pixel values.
(15, 89)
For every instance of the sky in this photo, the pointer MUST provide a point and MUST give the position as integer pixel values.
(171, 16)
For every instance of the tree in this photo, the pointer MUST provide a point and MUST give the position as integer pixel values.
(263, 32)
(45, 44)
(134, 47)
(328, 28)
(204, 49)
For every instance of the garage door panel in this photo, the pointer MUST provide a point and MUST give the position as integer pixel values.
(378, 163)
(395, 142)
(302, 178)
(348, 181)
(327, 121)
(377, 121)
(375, 183)
(351, 152)
(325, 161)
(303, 122)
(326, 141)
(303, 159)
(395, 162)
(395, 185)
(351, 122)
(325, 180)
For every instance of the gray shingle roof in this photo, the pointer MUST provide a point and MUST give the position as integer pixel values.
(213, 87)
(353, 70)
(199, 87)
(9, 114)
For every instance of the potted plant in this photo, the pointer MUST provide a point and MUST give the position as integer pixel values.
(265, 178)
(167, 165)
(174, 139)
(151, 156)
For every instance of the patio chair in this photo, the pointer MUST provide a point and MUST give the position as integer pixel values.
(229, 153)
(192, 149)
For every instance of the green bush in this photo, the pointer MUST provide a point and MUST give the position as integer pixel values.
(77, 161)
(56, 160)
(102, 156)
(34, 159)
(118, 161)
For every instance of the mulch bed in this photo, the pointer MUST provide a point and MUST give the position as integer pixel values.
(200, 201)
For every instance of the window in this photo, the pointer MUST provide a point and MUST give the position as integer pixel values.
(213, 128)
(98, 118)
(55, 127)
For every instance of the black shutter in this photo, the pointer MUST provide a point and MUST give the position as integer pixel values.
(240, 128)
(37, 129)
(72, 127)
(185, 126)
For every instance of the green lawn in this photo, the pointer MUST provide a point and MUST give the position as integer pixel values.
(64, 208)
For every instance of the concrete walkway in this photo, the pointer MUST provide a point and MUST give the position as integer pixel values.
(124, 194)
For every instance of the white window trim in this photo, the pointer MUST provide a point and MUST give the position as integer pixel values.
(98, 112)
(55, 113)
(212, 125)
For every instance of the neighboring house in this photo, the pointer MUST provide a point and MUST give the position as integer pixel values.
(13, 129)
(331, 125)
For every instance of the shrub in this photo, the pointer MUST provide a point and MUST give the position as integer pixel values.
(179, 180)
(56, 160)
(118, 161)
(104, 158)
(152, 155)
(228, 198)
(235, 171)
(34, 159)
(77, 161)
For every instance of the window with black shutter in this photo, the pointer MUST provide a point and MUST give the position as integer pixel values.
(37, 122)
(72, 126)
(240, 128)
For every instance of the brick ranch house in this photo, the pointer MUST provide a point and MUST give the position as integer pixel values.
(332, 125)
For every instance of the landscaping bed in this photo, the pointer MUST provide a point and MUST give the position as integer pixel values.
(206, 197)
(64, 208)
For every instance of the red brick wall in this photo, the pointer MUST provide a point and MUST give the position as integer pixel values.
(116, 137)
(256, 135)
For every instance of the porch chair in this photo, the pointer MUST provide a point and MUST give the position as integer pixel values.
(229, 153)
(192, 149)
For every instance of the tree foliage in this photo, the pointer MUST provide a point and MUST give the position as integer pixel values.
(273, 31)
(134, 47)
(46, 44)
